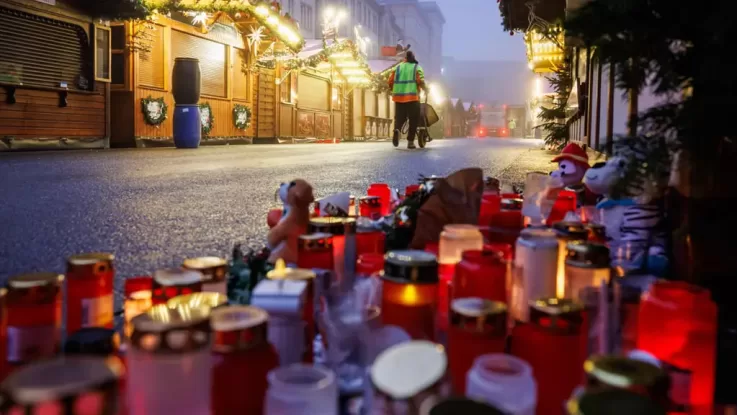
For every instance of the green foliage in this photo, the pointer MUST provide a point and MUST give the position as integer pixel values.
(207, 118)
(399, 234)
(245, 271)
(241, 116)
(155, 110)
(555, 120)
(681, 52)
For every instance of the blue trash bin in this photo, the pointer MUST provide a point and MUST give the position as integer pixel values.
(187, 126)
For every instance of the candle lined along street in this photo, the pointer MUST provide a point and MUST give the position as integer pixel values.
(155, 208)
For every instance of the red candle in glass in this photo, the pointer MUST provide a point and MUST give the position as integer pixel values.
(411, 189)
(505, 227)
(384, 193)
(370, 242)
(315, 251)
(369, 264)
(564, 203)
(173, 282)
(677, 323)
(491, 203)
(433, 248)
(554, 343)
(409, 292)
(504, 249)
(477, 327)
(481, 274)
(338, 228)
(140, 283)
(242, 359)
(89, 291)
(214, 272)
(369, 207)
(511, 196)
(34, 304)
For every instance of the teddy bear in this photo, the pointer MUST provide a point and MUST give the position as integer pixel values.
(282, 238)
(634, 226)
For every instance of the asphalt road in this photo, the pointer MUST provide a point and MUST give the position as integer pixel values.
(154, 207)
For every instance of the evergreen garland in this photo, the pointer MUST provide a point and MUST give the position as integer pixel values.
(150, 113)
(555, 120)
(206, 117)
(239, 113)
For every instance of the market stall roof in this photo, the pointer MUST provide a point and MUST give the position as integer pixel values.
(516, 13)
(466, 106)
(283, 27)
(311, 48)
(454, 101)
(342, 53)
(379, 66)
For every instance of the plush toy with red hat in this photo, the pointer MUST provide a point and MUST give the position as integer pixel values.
(573, 162)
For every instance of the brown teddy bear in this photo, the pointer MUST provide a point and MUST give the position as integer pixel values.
(282, 238)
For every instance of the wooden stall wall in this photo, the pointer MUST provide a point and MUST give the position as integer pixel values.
(313, 105)
(339, 108)
(48, 95)
(357, 113)
(224, 83)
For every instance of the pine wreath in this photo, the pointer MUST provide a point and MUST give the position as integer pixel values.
(206, 117)
(241, 116)
(154, 110)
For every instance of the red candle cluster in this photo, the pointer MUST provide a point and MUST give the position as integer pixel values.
(384, 193)
(481, 274)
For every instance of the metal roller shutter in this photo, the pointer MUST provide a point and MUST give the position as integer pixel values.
(212, 60)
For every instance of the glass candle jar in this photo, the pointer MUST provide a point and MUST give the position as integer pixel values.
(535, 270)
(596, 233)
(586, 265)
(140, 283)
(370, 242)
(308, 311)
(343, 231)
(677, 324)
(627, 294)
(455, 239)
(89, 281)
(243, 358)
(67, 386)
(455, 406)
(564, 203)
(505, 382)
(554, 344)
(214, 272)
(300, 389)
(505, 227)
(172, 282)
(618, 372)
(566, 232)
(481, 274)
(613, 401)
(369, 264)
(405, 375)
(315, 251)
(136, 302)
(169, 361)
(197, 300)
(34, 304)
(370, 207)
(491, 203)
(409, 292)
(477, 327)
(384, 193)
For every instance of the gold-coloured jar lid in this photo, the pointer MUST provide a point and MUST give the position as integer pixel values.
(238, 328)
(213, 269)
(559, 315)
(197, 300)
(479, 315)
(172, 330)
(623, 372)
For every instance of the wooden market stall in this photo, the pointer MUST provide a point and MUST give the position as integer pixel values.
(238, 97)
(382, 115)
(54, 76)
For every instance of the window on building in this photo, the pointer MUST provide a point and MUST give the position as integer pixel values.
(308, 18)
(117, 64)
(212, 60)
(290, 7)
(102, 53)
(151, 68)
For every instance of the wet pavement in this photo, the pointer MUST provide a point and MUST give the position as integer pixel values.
(154, 207)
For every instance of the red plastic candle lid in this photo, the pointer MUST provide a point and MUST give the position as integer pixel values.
(134, 284)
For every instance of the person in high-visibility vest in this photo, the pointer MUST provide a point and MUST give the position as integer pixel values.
(406, 81)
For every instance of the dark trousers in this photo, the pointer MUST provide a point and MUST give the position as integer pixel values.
(404, 111)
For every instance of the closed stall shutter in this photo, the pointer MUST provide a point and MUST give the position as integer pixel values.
(241, 87)
(37, 51)
(151, 70)
(212, 60)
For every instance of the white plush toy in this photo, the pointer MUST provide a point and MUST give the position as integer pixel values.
(634, 228)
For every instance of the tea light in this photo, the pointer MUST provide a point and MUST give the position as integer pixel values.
(281, 272)
(214, 271)
(241, 346)
(67, 386)
(384, 193)
(370, 207)
(477, 327)
(169, 361)
(89, 281)
(169, 283)
(535, 270)
(34, 313)
(559, 326)
(315, 251)
(409, 292)
(285, 301)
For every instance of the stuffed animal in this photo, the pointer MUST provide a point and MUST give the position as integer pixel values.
(573, 162)
(634, 227)
(282, 238)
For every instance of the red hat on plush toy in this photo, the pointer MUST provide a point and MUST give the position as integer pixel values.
(574, 153)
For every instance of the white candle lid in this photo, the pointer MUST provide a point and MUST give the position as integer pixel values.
(177, 276)
(236, 318)
(281, 272)
(406, 369)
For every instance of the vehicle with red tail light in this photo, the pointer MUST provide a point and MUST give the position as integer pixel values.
(492, 121)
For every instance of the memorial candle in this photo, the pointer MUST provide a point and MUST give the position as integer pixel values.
(343, 231)
(315, 251)
(34, 304)
(89, 281)
(409, 292)
(481, 274)
(618, 372)
(285, 301)
(242, 358)
(370, 207)
(491, 203)
(66, 386)
(535, 270)
(169, 362)
(214, 272)
(566, 232)
(384, 193)
(172, 282)
(300, 389)
(454, 240)
(370, 242)
(477, 327)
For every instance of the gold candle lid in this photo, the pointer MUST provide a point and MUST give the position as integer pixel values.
(177, 276)
(613, 401)
(90, 258)
(238, 328)
(623, 372)
(172, 330)
(560, 315)
(315, 242)
(281, 272)
(479, 315)
(214, 269)
(61, 379)
(35, 280)
(197, 300)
